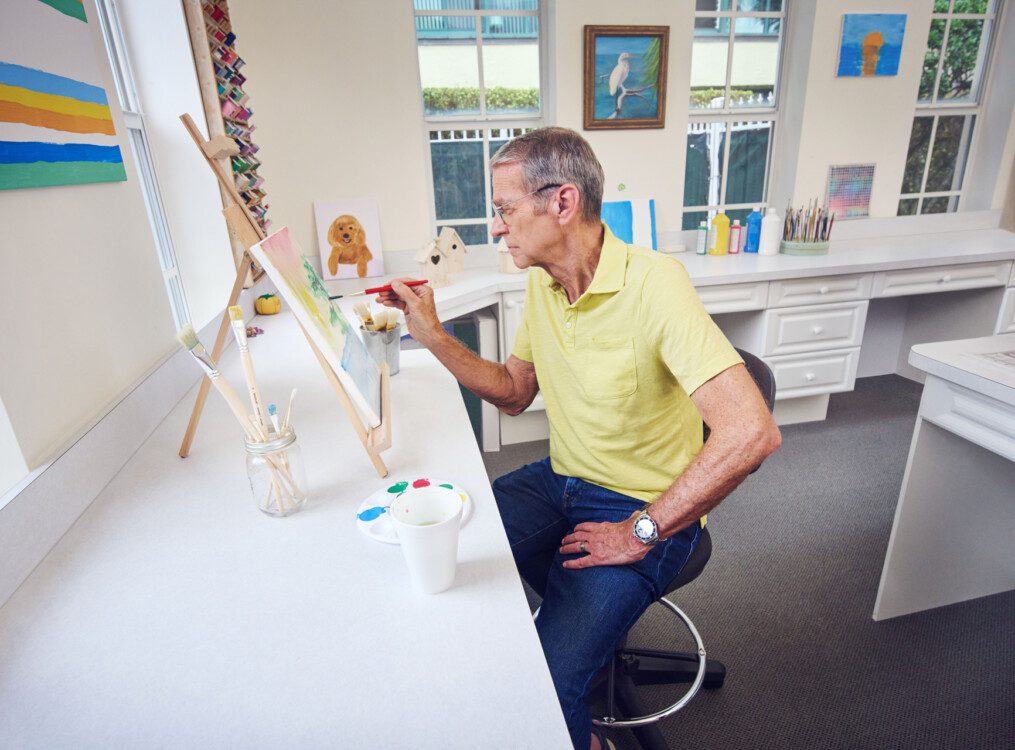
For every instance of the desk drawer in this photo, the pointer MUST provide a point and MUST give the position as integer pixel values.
(1006, 318)
(940, 279)
(727, 298)
(813, 374)
(846, 288)
(789, 330)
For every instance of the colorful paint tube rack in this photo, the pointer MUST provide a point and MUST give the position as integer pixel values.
(226, 104)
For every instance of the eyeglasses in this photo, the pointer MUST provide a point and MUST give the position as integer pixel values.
(504, 211)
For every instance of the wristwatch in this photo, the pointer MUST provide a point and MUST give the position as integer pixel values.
(645, 529)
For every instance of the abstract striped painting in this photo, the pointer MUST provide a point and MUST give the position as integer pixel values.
(55, 124)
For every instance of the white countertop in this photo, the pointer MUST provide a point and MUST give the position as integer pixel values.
(844, 256)
(956, 361)
(173, 613)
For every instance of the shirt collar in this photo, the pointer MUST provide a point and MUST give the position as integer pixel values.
(611, 270)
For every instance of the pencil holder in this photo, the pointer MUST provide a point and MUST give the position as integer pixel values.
(277, 477)
(384, 346)
(803, 248)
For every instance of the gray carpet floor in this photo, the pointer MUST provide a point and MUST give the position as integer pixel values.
(786, 603)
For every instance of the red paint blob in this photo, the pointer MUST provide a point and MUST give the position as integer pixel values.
(421, 483)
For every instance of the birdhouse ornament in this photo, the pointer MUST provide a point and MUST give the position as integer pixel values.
(440, 258)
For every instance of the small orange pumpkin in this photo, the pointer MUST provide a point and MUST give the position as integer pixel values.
(267, 304)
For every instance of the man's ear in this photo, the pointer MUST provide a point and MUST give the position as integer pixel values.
(568, 204)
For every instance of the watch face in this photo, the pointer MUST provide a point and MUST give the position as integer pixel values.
(645, 528)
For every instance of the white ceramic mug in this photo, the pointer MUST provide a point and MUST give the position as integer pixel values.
(427, 522)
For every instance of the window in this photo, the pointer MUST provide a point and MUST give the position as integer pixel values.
(480, 67)
(735, 62)
(947, 105)
(133, 118)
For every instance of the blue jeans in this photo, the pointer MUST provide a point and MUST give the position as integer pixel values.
(585, 613)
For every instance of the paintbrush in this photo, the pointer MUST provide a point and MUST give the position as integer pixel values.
(361, 310)
(288, 411)
(387, 287)
(192, 344)
(240, 333)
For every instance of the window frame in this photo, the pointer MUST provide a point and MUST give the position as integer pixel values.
(936, 108)
(731, 116)
(483, 121)
(144, 164)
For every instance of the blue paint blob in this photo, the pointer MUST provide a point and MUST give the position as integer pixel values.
(372, 514)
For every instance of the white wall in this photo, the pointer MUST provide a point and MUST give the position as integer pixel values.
(335, 93)
(859, 120)
(84, 306)
(12, 463)
(163, 64)
(650, 163)
(338, 115)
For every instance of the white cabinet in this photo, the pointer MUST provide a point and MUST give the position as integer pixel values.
(513, 307)
(814, 374)
(941, 278)
(1006, 318)
(819, 289)
(790, 330)
(728, 298)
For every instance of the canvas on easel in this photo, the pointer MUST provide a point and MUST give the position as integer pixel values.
(323, 321)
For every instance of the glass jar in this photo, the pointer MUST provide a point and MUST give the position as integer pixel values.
(278, 479)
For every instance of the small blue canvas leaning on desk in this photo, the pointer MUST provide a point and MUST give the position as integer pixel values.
(632, 221)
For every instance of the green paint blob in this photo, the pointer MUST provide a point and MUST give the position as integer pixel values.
(396, 488)
(446, 485)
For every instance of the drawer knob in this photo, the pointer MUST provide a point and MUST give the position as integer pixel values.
(945, 279)
(823, 290)
(817, 330)
(809, 376)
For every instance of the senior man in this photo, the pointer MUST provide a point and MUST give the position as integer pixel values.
(629, 364)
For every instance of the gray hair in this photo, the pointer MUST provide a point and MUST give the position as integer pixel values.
(555, 156)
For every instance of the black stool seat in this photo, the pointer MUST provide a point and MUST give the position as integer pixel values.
(694, 565)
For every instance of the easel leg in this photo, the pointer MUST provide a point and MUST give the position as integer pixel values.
(343, 397)
(220, 340)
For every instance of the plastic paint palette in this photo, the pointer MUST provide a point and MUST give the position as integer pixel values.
(372, 515)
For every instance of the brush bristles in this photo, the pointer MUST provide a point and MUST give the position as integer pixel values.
(187, 338)
(236, 313)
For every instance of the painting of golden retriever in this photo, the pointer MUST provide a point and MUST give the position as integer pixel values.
(349, 238)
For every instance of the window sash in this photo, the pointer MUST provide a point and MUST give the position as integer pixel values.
(694, 113)
(478, 15)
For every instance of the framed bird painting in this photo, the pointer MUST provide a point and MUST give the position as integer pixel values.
(625, 76)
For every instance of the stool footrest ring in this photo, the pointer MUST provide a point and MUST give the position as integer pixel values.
(640, 721)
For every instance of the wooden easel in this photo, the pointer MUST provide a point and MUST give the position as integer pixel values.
(245, 229)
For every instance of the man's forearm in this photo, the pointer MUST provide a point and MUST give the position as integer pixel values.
(488, 380)
(717, 470)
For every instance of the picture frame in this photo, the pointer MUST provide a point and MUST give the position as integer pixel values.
(624, 77)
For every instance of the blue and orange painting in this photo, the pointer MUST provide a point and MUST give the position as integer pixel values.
(871, 44)
(627, 77)
(55, 129)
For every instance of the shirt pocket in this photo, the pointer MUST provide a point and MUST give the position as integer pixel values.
(609, 368)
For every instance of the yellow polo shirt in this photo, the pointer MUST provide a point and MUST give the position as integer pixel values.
(616, 368)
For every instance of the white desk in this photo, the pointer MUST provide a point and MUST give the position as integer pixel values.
(954, 533)
(818, 321)
(174, 614)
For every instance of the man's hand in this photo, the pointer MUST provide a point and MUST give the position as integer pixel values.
(420, 311)
(603, 544)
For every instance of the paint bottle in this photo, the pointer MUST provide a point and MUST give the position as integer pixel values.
(702, 238)
(736, 232)
(771, 228)
(753, 231)
(721, 234)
